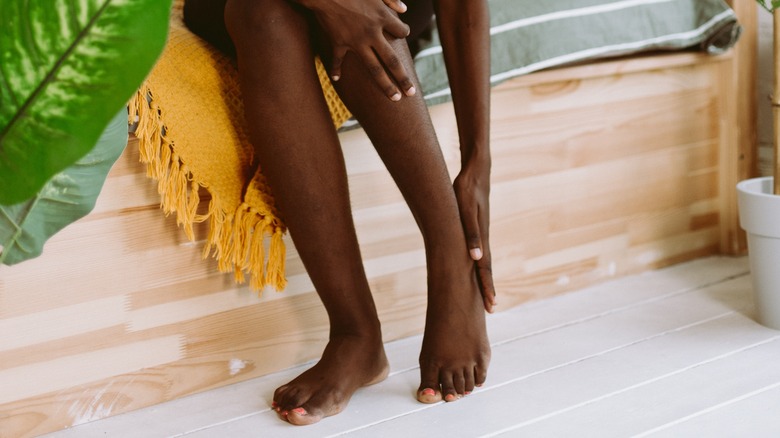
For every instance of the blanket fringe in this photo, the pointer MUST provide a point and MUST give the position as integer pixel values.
(236, 239)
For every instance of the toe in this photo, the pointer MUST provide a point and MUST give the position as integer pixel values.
(428, 395)
(448, 387)
(324, 403)
(469, 381)
(302, 417)
(480, 373)
(293, 397)
(460, 383)
(279, 393)
(428, 392)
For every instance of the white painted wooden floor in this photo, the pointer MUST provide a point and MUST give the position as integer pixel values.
(671, 353)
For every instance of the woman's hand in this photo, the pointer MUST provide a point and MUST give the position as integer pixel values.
(363, 27)
(472, 189)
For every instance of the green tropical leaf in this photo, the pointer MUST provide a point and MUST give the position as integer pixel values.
(67, 197)
(769, 5)
(65, 67)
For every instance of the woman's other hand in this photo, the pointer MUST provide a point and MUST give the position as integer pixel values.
(472, 189)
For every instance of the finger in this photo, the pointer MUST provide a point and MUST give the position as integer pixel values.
(378, 72)
(396, 5)
(395, 67)
(396, 28)
(338, 58)
(485, 278)
(473, 236)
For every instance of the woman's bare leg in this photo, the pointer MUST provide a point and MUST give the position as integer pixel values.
(455, 351)
(299, 152)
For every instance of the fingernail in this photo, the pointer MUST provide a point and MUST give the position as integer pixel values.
(335, 78)
(411, 91)
(299, 411)
(403, 6)
(396, 97)
(428, 391)
(476, 253)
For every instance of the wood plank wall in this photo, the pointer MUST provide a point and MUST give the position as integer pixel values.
(599, 171)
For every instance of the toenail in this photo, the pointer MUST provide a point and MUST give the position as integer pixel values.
(428, 391)
(450, 397)
(274, 404)
(299, 411)
(468, 392)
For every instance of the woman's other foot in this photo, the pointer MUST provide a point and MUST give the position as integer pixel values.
(347, 364)
(455, 351)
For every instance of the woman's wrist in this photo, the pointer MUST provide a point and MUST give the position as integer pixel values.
(476, 156)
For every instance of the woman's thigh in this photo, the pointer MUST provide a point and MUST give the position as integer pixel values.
(206, 19)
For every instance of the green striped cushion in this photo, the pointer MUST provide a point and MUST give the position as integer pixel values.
(530, 35)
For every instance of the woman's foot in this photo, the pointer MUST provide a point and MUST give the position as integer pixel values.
(348, 363)
(455, 349)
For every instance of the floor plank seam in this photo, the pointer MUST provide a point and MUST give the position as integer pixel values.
(708, 410)
(217, 424)
(621, 309)
(385, 420)
(609, 350)
(629, 388)
(554, 300)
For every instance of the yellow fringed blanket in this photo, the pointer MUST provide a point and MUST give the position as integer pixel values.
(191, 134)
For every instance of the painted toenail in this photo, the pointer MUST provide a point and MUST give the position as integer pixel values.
(428, 391)
(468, 392)
(299, 411)
(450, 397)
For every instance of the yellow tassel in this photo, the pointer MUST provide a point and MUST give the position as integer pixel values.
(256, 257)
(192, 204)
(214, 227)
(276, 260)
(257, 283)
(238, 276)
(239, 236)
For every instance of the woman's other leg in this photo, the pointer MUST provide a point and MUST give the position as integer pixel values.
(298, 150)
(455, 352)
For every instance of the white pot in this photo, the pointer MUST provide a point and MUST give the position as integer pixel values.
(759, 216)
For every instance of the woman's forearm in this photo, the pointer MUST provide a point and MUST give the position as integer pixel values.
(464, 28)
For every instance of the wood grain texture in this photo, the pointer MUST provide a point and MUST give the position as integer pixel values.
(600, 170)
(740, 135)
